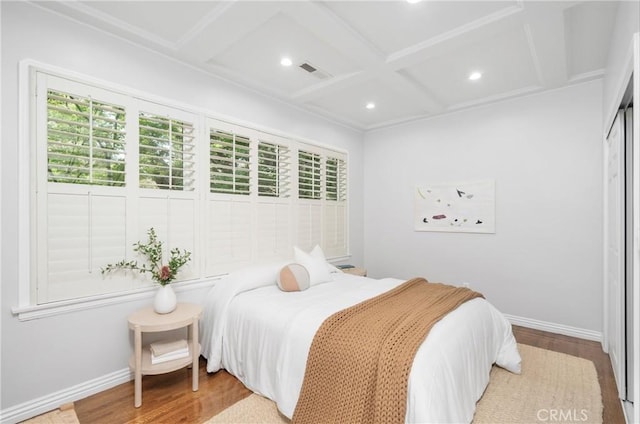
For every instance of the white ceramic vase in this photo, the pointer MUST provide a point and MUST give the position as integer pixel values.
(165, 300)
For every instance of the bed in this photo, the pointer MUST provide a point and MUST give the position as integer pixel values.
(262, 335)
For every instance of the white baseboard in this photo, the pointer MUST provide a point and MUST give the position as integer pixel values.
(551, 327)
(52, 401)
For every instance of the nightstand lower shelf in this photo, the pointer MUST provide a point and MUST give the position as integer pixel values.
(153, 369)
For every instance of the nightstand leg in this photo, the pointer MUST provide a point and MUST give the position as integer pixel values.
(138, 371)
(196, 355)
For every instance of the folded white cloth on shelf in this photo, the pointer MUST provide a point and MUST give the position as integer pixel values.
(166, 347)
(182, 353)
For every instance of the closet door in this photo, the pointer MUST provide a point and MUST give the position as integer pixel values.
(615, 250)
(630, 260)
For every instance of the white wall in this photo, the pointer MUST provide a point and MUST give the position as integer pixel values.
(47, 355)
(545, 260)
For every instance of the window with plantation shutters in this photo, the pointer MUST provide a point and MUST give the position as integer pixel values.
(95, 150)
(230, 164)
(82, 171)
(108, 165)
(309, 175)
(85, 140)
(274, 162)
(166, 153)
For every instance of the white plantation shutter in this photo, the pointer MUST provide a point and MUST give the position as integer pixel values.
(85, 140)
(230, 164)
(229, 205)
(273, 205)
(273, 231)
(336, 179)
(309, 203)
(249, 216)
(167, 198)
(229, 236)
(274, 170)
(334, 241)
(309, 229)
(313, 191)
(309, 175)
(174, 221)
(322, 212)
(81, 177)
(166, 153)
(84, 232)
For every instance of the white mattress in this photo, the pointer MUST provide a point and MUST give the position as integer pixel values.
(262, 336)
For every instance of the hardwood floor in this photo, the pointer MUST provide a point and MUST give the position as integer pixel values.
(168, 398)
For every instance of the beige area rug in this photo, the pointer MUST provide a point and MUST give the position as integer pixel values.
(553, 387)
(65, 415)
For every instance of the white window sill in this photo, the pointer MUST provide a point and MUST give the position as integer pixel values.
(31, 312)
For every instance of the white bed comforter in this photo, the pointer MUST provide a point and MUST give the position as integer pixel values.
(262, 336)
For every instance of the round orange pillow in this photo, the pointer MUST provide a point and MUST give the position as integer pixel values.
(293, 277)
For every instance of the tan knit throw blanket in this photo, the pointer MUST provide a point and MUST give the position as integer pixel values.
(359, 362)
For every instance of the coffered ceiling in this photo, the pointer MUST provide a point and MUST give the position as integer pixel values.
(411, 60)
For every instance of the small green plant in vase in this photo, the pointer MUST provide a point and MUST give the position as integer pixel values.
(161, 273)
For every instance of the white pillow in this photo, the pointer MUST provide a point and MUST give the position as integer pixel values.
(317, 268)
(318, 253)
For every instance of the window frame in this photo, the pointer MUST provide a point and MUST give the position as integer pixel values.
(136, 200)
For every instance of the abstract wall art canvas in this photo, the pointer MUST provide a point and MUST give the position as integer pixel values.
(456, 207)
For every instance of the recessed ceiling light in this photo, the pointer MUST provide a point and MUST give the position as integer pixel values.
(475, 76)
(413, 1)
(370, 105)
(285, 61)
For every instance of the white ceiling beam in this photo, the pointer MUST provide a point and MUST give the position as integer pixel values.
(216, 13)
(83, 12)
(545, 36)
(495, 23)
(332, 29)
(220, 29)
(413, 91)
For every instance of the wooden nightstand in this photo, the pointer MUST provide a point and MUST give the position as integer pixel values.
(356, 271)
(148, 321)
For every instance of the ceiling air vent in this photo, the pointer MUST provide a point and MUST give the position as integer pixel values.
(318, 73)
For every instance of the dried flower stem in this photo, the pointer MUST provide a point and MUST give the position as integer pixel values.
(161, 274)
